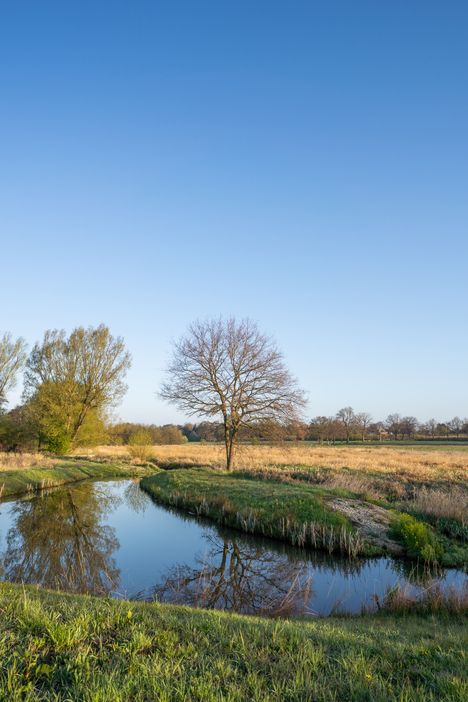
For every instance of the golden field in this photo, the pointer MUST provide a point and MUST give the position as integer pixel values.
(419, 464)
(430, 479)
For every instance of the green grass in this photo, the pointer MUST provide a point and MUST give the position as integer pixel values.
(25, 480)
(292, 512)
(68, 648)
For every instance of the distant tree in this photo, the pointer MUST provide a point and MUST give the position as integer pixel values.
(393, 425)
(363, 422)
(348, 419)
(328, 429)
(209, 431)
(67, 378)
(431, 427)
(296, 431)
(455, 425)
(378, 429)
(16, 430)
(318, 429)
(228, 369)
(443, 429)
(12, 358)
(408, 426)
(168, 434)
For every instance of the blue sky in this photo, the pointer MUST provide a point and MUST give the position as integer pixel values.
(303, 164)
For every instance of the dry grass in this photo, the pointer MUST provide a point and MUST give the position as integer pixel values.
(444, 503)
(382, 462)
(19, 461)
(432, 599)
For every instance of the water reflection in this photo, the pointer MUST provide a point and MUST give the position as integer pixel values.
(59, 541)
(110, 538)
(238, 576)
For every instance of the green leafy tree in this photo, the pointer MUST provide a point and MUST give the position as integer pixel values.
(70, 380)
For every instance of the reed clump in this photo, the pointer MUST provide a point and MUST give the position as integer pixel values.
(18, 461)
(432, 599)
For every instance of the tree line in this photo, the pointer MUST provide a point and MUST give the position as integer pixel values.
(321, 429)
(225, 373)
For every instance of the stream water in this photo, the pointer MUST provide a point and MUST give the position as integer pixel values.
(110, 538)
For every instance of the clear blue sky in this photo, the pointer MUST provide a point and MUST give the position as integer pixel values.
(304, 164)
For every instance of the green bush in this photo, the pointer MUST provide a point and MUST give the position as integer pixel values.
(418, 538)
(58, 442)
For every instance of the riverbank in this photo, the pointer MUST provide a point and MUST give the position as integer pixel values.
(298, 514)
(20, 481)
(61, 647)
(302, 513)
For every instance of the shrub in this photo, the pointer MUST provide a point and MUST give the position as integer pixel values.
(140, 444)
(417, 537)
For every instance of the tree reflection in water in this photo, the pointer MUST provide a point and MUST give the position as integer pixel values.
(241, 577)
(59, 541)
(136, 498)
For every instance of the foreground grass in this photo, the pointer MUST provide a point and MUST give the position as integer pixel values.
(63, 648)
(26, 480)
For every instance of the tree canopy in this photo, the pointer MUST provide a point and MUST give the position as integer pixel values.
(70, 379)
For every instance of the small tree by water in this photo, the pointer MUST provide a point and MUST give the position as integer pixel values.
(229, 370)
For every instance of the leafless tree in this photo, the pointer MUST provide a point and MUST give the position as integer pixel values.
(229, 369)
(348, 419)
(456, 425)
(12, 359)
(408, 426)
(431, 427)
(393, 424)
(363, 422)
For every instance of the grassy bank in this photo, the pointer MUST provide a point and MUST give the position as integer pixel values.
(294, 513)
(306, 513)
(62, 647)
(20, 481)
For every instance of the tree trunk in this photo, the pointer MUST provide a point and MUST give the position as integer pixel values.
(229, 442)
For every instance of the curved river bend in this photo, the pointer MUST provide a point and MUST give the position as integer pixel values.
(110, 538)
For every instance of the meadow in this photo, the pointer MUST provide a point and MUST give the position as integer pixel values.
(427, 480)
(397, 499)
(57, 647)
(60, 647)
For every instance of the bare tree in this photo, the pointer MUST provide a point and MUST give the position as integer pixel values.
(348, 419)
(363, 421)
(408, 426)
(78, 374)
(12, 359)
(228, 369)
(456, 425)
(431, 427)
(393, 424)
